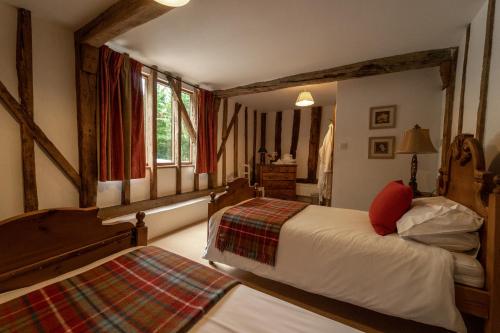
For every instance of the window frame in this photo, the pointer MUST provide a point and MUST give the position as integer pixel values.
(191, 116)
(171, 162)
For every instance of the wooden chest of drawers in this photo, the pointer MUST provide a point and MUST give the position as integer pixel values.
(279, 181)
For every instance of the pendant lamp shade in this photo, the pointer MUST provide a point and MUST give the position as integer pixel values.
(173, 3)
(305, 99)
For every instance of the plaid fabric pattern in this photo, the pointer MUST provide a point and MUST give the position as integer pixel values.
(147, 290)
(252, 229)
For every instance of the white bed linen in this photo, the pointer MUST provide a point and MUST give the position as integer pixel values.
(242, 310)
(336, 253)
(468, 270)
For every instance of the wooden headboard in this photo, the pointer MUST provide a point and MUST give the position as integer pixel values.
(40, 245)
(236, 192)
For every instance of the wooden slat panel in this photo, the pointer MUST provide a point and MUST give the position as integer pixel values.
(295, 132)
(279, 176)
(153, 186)
(464, 82)
(24, 65)
(398, 63)
(312, 162)
(472, 301)
(277, 133)
(485, 75)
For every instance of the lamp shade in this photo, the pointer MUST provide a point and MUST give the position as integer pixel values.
(305, 99)
(173, 3)
(416, 141)
(263, 150)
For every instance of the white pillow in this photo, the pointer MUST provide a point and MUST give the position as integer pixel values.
(461, 242)
(468, 270)
(437, 216)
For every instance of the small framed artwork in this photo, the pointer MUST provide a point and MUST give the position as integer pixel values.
(383, 117)
(381, 147)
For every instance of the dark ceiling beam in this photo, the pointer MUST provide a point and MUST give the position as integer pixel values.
(118, 19)
(398, 63)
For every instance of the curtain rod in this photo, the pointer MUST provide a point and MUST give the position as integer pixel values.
(173, 77)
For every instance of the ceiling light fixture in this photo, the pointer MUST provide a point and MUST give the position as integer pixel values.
(305, 99)
(173, 3)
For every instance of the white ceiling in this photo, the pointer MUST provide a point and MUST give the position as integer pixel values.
(284, 99)
(225, 43)
(72, 14)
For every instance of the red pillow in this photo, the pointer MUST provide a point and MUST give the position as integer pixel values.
(388, 207)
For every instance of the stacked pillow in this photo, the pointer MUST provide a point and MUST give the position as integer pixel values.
(441, 222)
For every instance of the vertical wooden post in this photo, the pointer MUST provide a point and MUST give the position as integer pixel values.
(153, 186)
(312, 162)
(295, 132)
(24, 65)
(235, 144)
(177, 86)
(464, 82)
(485, 75)
(246, 136)
(87, 61)
(127, 128)
(448, 112)
(194, 105)
(277, 133)
(224, 129)
(254, 157)
(212, 177)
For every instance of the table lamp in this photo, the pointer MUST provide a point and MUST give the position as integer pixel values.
(416, 141)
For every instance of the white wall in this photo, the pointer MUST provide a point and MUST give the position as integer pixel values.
(55, 113)
(418, 96)
(472, 87)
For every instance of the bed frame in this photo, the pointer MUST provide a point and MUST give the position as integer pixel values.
(41, 245)
(462, 179)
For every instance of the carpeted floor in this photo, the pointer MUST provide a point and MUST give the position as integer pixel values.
(190, 242)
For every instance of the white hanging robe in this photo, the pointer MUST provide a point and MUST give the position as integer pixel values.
(325, 166)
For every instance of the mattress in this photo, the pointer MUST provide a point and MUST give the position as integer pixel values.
(242, 310)
(336, 253)
(468, 270)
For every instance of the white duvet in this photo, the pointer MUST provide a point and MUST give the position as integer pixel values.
(336, 253)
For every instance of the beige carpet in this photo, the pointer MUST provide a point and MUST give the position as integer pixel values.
(190, 242)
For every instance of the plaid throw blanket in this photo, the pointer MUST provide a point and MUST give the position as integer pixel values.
(252, 229)
(147, 290)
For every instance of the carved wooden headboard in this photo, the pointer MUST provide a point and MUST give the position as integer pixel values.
(40, 245)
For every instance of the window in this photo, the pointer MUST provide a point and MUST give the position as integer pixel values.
(164, 125)
(186, 147)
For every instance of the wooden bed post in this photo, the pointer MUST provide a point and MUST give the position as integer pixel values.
(492, 324)
(141, 231)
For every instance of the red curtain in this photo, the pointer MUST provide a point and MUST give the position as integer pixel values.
(206, 158)
(112, 91)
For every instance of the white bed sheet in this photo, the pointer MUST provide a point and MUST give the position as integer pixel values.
(336, 253)
(242, 310)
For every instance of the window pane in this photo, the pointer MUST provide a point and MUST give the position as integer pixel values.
(164, 123)
(185, 139)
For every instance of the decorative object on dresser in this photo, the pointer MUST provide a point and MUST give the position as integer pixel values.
(416, 141)
(278, 180)
(383, 117)
(381, 147)
(262, 153)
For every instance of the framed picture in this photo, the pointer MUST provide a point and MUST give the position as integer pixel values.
(381, 147)
(383, 117)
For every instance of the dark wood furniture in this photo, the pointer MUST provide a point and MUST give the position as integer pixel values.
(40, 245)
(279, 181)
(465, 180)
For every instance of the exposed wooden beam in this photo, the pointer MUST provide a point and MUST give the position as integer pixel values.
(15, 109)
(87, 61)
(24, 65)
(222, 149)
(121, 17)
(295, 132)
(277, 133)
(212, 177)
(398, 63)
(464, 82)
(182, 108)
(263, 130)
(485, 75)
(246, 136)
(177, 89)
(235, 144)
(127, 128)
(448, 111)
(227, 131)
(116, 211)
(153, 181)
(254, 152)
(312, 162)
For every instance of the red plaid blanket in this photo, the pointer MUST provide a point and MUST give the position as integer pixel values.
(252, 229)
(147, 290)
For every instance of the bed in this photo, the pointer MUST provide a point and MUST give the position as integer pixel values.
(346, 261)
(52, 263)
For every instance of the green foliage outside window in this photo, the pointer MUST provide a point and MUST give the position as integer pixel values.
(164, 133)
(185, 139)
